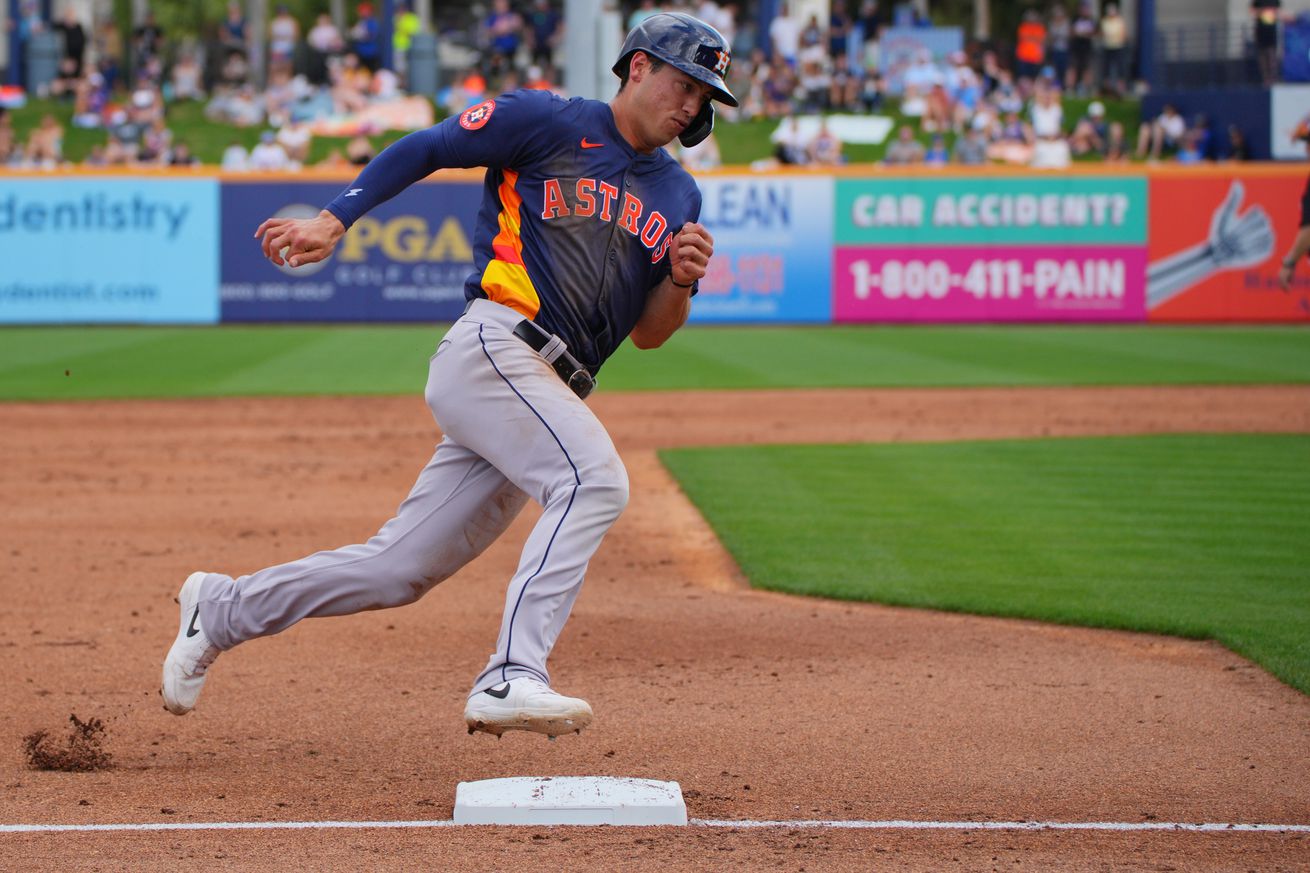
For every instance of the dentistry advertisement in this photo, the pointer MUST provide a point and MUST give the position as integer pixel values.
(90, 250)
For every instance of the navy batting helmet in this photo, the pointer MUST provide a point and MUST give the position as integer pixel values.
(687, 43)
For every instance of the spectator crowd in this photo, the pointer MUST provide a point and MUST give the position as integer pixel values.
(971, 107)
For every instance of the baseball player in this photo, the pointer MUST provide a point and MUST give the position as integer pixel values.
(586, 235)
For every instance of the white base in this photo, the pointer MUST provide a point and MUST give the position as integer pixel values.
(569, 800)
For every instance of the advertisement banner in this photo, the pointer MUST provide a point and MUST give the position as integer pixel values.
(406, 260)
(1217, 243)
(986, 248)
(1289, 110)
(990, 283)
(974, 210)
(772, 249)
(92, 250)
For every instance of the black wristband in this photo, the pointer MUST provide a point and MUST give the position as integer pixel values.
(679, 284)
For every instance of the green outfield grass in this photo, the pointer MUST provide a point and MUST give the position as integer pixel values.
(105, 362)
(1205, 537)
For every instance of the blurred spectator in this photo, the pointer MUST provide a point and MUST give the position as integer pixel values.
(502, 33)
(645, 10)
(826, 147)
(1190, 148)
(268, 156)
(468, 91)
(814, 79)
(811, 35)
(938, 111)
(240, 106)
(785, 34)
(1114, 41)
(324, 42)
(1030, 46)
(1083, 31)
(350, 85)
(839, 31)
(965, 90)
(233, 32)
(1059, 37)
(1116, 148)
(1012, 141)
(156, 144)
(124, 140)
(96, 157)
(791, 149)
(867, 34)
(29, 23)
(1238, 150)
(844, 92)
(181, 156)
(405, 27)
(906, 149)
(74, 42)
(235, 158)
(359, 151)
(281, 94)
(778, 88)
(937, 155)
(45, 144)
(1091, 134)
(147, 40)
(872, 92)
(90, 101)
(545, 30)
(283, 37)
(1164, 132)
(702, 156)
(537, 80)
(364, 38)
(971, 148)
(1047, 115)
(7, 138)
(1265, 13)
(235, 70)
(187, 77)
(295, 138)
(108, 50)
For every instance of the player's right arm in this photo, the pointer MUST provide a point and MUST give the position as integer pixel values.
(498, 138)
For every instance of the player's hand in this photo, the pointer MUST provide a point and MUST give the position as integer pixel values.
(297, 241)
(1285, 276)
(691, 252)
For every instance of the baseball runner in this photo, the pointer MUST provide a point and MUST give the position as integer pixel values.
(586, 235)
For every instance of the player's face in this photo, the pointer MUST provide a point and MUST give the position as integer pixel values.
(668, 101)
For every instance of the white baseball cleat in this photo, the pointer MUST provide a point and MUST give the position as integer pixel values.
(191, 655)
(525, 704)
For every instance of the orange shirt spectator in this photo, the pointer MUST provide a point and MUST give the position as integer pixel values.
(1030, 52)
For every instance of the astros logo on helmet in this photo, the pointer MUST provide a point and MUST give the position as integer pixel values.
(721, 66)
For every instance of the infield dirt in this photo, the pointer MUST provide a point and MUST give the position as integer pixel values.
(762, 706)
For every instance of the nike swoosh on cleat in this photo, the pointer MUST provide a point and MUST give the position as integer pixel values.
(591, 145)
(192, 630)
(501, 694)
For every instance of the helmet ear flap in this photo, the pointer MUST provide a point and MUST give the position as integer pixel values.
(701, 126)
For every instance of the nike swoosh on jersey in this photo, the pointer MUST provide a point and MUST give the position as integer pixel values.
(591, 145)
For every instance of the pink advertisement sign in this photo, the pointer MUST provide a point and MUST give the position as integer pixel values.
(990, 283)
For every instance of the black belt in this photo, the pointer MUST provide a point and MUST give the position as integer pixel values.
(554, 352)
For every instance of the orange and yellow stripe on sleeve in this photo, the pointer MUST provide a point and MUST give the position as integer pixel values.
(505, 280)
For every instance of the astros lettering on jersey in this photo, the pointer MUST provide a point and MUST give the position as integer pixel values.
(577, 226)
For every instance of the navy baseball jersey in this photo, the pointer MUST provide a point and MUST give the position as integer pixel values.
(575, 226)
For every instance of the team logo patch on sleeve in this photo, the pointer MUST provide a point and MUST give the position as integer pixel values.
(476, 116)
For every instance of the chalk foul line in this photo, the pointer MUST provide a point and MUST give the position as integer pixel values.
(742, 824)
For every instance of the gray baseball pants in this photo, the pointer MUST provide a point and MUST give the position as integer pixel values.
(512, 430)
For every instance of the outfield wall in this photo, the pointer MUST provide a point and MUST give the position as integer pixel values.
(1087, 245)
